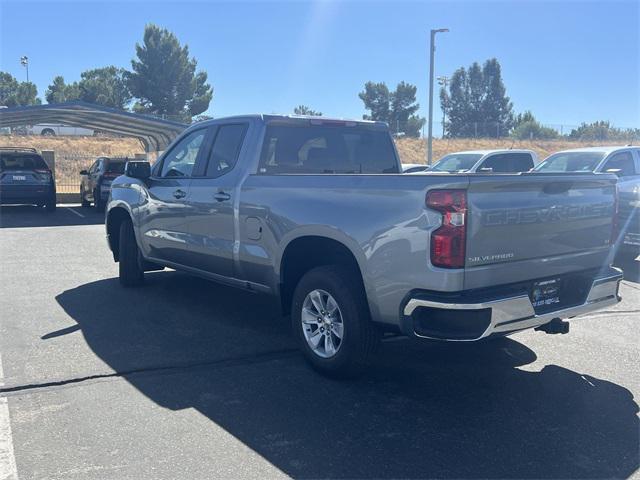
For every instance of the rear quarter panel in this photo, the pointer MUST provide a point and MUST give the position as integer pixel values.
(382, 219)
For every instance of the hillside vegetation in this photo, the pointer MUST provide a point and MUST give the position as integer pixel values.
(412, 150)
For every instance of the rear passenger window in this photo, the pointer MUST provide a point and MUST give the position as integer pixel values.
(225, 150)
(521, 162)
(622, 161)
(509, 163)
(318, 149)
(497, 163)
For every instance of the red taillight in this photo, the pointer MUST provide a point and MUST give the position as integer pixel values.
(449, 240)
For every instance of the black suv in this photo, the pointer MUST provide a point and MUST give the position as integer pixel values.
(25, 178)
(95, 184)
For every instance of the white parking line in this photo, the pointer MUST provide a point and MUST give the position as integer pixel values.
(77, 213)
(8, 469)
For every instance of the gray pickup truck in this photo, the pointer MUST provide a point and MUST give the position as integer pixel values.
(317, 212)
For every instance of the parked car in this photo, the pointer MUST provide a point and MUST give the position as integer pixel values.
(622, 161)
(95, 183)
(54, 129)
(317, 212)
(25, 178)
(414, 167)
(486, 161)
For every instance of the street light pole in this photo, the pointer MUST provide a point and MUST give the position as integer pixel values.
(24, 61)
(431, 62)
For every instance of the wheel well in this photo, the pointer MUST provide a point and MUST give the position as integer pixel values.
(47, 131)
(305, 253)
(114, 220)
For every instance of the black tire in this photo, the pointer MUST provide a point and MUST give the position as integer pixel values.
(360, 336)
(98, 203)
(130, 268)
(50, 204)
(83, 199)
(47, 132)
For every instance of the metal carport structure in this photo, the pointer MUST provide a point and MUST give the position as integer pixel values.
(154, 133)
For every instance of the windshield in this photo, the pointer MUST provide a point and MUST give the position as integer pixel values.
(20, 161)
(456, 162)
(571, 162)
(115, 167)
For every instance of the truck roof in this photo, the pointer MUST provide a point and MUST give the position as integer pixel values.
(271, 116)
(497, 150)
(606, 149)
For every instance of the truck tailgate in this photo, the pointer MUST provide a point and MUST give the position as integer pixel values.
(531, 226)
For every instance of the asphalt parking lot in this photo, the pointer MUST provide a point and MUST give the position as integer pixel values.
(182, 378)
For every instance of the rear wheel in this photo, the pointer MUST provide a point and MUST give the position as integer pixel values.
(47, 132)
(331, 322)
(130, 266)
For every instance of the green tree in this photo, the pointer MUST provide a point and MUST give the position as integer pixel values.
(601, 130)
(376, 98)
(497, 109)
(397, 108)
(105, 86)
(14, 93)
(304, 110)
(59, 91)
(527, 127)
(164, 78)
(476, 103)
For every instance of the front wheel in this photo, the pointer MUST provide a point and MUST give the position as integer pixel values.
(130, 266)
(98, 203)
(331, 322)
(83, 199)
(50, 204)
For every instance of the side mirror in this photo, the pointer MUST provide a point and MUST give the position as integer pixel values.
(139, 169)
(615, 171)
(84, 172)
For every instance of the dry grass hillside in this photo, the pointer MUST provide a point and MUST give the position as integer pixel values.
(78, 146)
(76, 153)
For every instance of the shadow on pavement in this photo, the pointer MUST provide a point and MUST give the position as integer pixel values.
(21, 216)
(423, 410)
(630, 267)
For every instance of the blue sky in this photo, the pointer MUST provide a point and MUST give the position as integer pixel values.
(566, 61)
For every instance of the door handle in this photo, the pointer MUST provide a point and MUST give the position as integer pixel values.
(179, 194)
(222, 196)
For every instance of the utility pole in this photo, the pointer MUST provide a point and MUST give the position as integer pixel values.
(24, 61)
(431, 62)
(443, 81)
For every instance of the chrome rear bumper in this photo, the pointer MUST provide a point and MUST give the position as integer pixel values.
(517, 313)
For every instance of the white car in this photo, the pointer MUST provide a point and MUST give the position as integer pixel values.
(54, 129)
(414, 167)
(623, 161)
(486, 161)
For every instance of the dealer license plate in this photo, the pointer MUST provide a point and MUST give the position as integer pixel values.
(545, 293)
